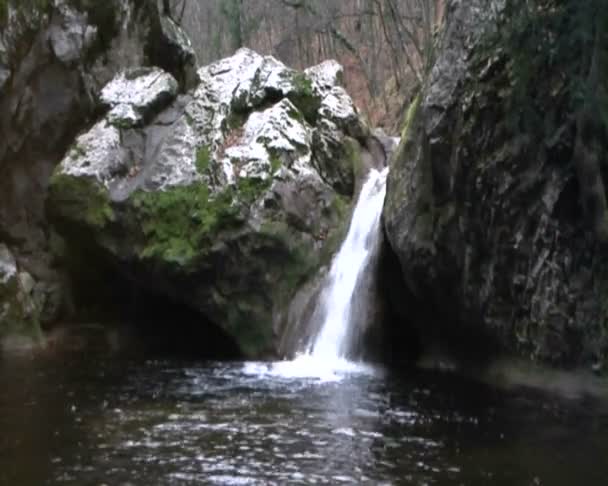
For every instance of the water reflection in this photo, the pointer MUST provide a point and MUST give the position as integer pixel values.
(118, 422)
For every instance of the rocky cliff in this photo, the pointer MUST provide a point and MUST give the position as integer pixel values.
(225, 198)
(484, 208)
(55, 55)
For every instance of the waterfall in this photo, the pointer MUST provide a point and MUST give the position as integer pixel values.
(357, 255)
(343, 303)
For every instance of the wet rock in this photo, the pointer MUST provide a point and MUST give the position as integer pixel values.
(485, 220)
(137, 94)
(5, 72)
(18, 312)
(217, 201)
(60, 57)
(70, 35)
(170, 48)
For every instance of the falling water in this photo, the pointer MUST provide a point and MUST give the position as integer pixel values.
(356, 256)
(343, 302)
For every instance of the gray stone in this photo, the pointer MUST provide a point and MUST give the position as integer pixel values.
(326, 76)
(138, 94)
(47, 97)
(70, 35)
(18, 311)
(27, 282)
(216, 200)
(487, 230)
(5, 75)
(8, 265)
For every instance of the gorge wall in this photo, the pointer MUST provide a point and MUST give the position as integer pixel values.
(55, 56)
(486, 202)
(225, 189)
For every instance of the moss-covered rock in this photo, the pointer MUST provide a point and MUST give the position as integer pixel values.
(55, 56)
(228, 218)
(81, 199)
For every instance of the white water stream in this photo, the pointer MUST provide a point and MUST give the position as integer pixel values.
(336, 304)
(343, 300)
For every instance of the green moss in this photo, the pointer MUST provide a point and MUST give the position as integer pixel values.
(352, 161)
(3, 12)
(203, 158)
(180, 223)
(296, 115)
(80, 200)
(409, 118)
(234, 121)
(341, 207)
(406, 132)
(250, 189)
(304, 97)
(303, 84)
(122, 123)
(275, 163)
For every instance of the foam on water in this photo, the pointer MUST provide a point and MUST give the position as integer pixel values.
(326, 356)
(355, 258)
(307, 366)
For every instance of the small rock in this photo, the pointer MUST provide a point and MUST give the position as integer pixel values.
(135, 95)
(27, 282)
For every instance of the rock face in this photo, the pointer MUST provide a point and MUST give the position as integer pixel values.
(222, 199)
(137, 94)
(18, 309)
(485, 219)
(55, 56)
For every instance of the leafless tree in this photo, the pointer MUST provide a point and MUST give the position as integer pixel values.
(386, 46)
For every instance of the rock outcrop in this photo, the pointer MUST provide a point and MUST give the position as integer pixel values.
(484, 216)
(226, 198)
(19, 298)
(55, 55)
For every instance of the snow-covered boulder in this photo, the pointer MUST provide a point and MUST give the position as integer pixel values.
(225, 198)
(137, 94)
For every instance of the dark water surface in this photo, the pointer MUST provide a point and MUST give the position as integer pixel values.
(90, 420)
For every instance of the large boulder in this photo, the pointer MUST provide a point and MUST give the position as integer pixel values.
(55, 56)
(216, 200)
(484, 216)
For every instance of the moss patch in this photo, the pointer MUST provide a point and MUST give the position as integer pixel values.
(341, 207)
(250, 189)
(304, 97)
(180, 223)
(80, 200)
(275, 163)
(409, 117)
(352, 162)
(203, 158)
(302, 84)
